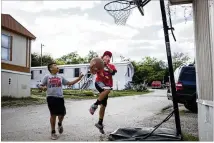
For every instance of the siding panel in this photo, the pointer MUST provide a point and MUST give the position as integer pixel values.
(211, 20)
(203, 50)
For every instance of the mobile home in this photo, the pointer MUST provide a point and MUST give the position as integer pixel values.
(15, 57)
(125, 72)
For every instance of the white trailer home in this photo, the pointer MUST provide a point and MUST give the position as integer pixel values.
(125, 72)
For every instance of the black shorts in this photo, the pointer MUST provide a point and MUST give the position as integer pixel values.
(56, 106)
(100, 86)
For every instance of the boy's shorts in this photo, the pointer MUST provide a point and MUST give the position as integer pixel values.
(56, 106)
(100, 86)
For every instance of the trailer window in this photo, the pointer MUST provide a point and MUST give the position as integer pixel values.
(61, 71)
(76, 72)
(32, 76)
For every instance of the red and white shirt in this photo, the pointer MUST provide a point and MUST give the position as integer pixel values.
(105, 76)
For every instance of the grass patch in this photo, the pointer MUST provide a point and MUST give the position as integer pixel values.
(166, 108)
(189, 137)
(182, 112)
(89, 94)
(16, 102)
(38, 97)
(127, 93)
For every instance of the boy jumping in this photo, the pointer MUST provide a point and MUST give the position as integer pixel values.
(103, 84)
(53, 84)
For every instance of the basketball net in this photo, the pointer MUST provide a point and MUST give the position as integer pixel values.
(120, 10)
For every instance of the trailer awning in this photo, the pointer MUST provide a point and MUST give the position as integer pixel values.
(177, 2)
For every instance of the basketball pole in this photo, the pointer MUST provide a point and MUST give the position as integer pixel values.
(171, 73)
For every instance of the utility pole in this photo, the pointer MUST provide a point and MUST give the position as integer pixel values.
(41, 53)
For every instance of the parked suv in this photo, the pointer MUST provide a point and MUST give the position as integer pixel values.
(185, 80)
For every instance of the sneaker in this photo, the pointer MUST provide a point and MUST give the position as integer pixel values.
(100, 127)
(60, 129)
(93, 109)
(54, 136)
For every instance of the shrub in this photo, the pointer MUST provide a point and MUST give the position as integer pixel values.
(140, 87)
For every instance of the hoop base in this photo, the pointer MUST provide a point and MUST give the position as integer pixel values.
(138, 134)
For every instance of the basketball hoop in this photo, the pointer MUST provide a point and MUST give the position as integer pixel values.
(120, 10)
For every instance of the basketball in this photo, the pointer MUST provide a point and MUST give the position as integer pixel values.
(96, 64)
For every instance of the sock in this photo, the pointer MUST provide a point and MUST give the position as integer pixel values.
(100, 121)
(97, 102)
(53, 132)
(59, 124)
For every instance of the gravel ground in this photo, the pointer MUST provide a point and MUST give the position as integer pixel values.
(145, 111)
(189, 121)
(31, 123)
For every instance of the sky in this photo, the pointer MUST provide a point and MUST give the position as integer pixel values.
(69, 26)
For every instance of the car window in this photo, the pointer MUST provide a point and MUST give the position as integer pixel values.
(176, 74)
(188, 74)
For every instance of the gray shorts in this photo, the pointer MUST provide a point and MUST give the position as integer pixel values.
(100, 86)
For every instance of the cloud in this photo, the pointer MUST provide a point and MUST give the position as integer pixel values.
(140, 44)
(68, 26)
(148, 33)
(37, 6)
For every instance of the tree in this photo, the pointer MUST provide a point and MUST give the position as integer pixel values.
(72, 58)
(149, 69)
(36, 60)
(46, 59)
(179, 59)
(91, 55)
(60, 62)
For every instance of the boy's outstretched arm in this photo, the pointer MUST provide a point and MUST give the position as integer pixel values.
(43, 85)
(75, 81)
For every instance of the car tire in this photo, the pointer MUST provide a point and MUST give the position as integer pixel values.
(192, 106)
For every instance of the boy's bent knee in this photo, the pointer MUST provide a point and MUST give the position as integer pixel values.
(103, 105)
(107, 91)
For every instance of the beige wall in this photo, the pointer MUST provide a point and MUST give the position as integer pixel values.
(20, 84)
(204, 25)
(19, 47)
